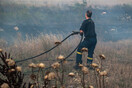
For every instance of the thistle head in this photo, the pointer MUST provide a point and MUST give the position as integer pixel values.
(102, 56)
(84, 50)
(98, 70)
(4, 85)
(103, 73)
(32, 86)
(41, 65)
(80, 65)
(51, 76)
(84, 70)
(94, 65)
(61, 57)
(71, 74)
(57, 43)
(90, 86)
(32, 65)
(55, 65)
(11, 70)
(19, 69)
(11, 63)
(1, 50)
(7, 60)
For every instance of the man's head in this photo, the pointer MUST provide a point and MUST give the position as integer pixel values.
(88, 14)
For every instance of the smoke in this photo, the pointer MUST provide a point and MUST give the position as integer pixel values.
(69, 2)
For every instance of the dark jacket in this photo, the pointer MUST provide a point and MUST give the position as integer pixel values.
(88, 28)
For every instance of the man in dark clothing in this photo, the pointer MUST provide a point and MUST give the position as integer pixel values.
(89, 42)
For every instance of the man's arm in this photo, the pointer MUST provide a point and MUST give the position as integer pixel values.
(82, 28)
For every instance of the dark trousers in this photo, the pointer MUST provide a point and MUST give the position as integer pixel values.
(89, 43)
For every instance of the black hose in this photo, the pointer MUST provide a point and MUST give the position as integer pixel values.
(47, 50)
(66, 56)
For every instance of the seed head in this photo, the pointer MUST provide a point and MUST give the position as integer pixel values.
(7, 60)
(54, 87)
(90, 86)
(103, 73)
(1, 50)
(71, 74)
(46, 77)
(80, 65)
(60, 57)
(32, 65)
(57, 43)
(4, 85)
(11, 70)
(84, 70)
(62, 87)
(32, 86)
(84, 50)
(51, 76)
(102, 56)
(55, 65)
(19, 69)
(41, 65)
(94, 65)
(98, 70)
(65, 62)
(11, 63)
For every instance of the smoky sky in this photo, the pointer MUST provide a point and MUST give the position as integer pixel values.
(69, 2)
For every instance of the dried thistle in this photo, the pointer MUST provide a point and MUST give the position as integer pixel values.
(57, 43)
(1, 50)
(4, 85)
(84, 50)
(11, 63)
(80, 65)
(46, 77)
(41, 65)
(32, 65)
(65, 62)
(51, 76)
(7, 60)
(32, 86)
(62, 87)
(102, 56)
(60, 57)
(54, 87)
(19, 69)
(94, 65)
(90, 86)
(11, 70)
(71, 74)
(55, 65)
(103, 73)
(98, 70)
(84, 70)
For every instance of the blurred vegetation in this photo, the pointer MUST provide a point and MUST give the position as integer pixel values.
(33, 20)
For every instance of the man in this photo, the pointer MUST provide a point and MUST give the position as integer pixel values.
(88, 29)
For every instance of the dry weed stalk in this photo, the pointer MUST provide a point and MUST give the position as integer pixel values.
(84, 73)
(102, 57)
(11, 73)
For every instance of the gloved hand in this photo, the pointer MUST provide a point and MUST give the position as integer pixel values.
(81, 32)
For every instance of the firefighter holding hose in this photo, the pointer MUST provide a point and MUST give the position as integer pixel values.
(88, 30)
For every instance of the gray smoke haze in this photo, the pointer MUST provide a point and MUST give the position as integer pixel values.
(69, 2)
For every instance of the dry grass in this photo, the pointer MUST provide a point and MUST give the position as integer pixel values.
(118, 60)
